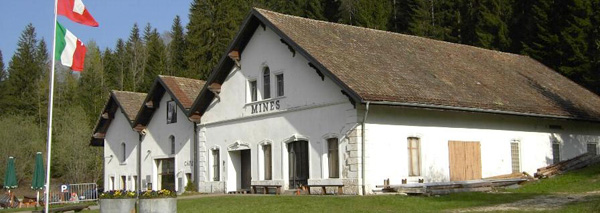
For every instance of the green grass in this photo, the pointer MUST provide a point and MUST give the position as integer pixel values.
(585, 180)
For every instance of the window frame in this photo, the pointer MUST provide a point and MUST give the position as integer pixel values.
(417, 149)
(253, 89)
(595, 147)
(266, 77)
(333, 157)
(172, 144)
(124, 152)
(555, 152)
(267, 162)
(518, 153)
(216, 170)
(280, 83)
(171, 110)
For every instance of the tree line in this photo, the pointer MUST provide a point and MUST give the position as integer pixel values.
(562, 34)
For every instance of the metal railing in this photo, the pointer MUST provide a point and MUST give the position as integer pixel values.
(74, 193)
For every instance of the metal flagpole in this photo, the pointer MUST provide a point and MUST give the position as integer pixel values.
(50, 105)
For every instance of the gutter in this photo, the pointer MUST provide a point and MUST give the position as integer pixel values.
(363, 157)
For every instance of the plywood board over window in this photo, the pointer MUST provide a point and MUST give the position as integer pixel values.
(465, 160)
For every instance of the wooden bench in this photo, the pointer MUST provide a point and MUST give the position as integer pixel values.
(340, 188)
(75, 208)
(266, 188)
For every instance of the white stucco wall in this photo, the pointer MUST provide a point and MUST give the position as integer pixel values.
(156, 145)
(389, 127)
(115, 166)
(312, 109)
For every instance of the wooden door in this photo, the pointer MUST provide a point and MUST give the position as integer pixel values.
(246, 169)
(298, 163)
(465, 160)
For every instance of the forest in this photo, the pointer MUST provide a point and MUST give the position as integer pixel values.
(562, 34)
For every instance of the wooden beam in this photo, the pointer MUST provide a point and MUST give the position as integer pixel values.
(150, 104)
(99, 135)
(105, 115)
(139, 128)
(195, 117)
(215, 87)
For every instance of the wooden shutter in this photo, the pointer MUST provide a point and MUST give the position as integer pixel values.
(333, 158)
(414, 156)
(555, 152)
(465, 160)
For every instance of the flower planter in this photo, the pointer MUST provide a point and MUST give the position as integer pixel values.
(117, 205)
(158, 205)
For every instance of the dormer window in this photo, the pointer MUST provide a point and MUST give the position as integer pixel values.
(171, 112)
(266, 83)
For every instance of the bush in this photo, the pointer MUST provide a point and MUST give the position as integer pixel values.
(191, 187)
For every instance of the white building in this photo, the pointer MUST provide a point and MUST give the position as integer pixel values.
(159, 121)
(113, 132)
(298, 101)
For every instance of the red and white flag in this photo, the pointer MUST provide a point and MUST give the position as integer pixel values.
(76, 11)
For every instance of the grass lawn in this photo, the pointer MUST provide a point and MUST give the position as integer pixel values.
(577, 182)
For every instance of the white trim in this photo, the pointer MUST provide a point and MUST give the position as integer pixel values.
(238, 146)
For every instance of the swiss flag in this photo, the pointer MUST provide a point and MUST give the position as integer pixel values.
(76, 11)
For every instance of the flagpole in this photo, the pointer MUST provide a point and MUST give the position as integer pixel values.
(50, 106)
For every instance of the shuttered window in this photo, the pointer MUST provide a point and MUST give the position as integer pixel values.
(555, 153)
(592, 148)
(268, 163)
(414, 156)
(252, 85)
(216, 169)
(333, 156)
(279, 79)
(515, 157)
(267, 83)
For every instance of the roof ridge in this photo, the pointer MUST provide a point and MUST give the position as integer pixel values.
(383, 31)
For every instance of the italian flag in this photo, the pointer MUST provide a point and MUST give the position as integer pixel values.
(69, 50)
(76, 11)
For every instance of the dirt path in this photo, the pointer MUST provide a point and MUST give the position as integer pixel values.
(539, 203)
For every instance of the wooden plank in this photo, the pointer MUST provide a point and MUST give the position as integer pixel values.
(465, 160)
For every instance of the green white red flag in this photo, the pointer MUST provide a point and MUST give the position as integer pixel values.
(76, 11)
(69, 49)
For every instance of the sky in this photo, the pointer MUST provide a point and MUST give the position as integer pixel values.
(116, 18)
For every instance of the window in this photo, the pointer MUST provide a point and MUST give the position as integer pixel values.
(252, 85)
(279, 78)
(515, 157)
(414, 158)
(171, 112)
(267, 160)
(592, 148)
(333, 158)
(267, 83)
(124, 152)
(111, 183)
(555, 152)
(124, 182)
(172, 142)
(215, 164)
(135, 183)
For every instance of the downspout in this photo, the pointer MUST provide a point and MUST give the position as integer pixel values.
(362, 156)
(139, 167)
(196, 157)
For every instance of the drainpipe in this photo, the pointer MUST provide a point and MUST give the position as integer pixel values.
(363, 161)
(196, 157)
(139, 165)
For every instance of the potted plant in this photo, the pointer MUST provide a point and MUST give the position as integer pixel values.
(117, 201)
(158, 201)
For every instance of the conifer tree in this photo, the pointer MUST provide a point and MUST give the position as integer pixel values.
(375, 14)
(176, 50)
(155, 62)
(594, 48)
(136, 60)
(213, 24)
(24, 70)
(92, 86)
(41, 82)
(331, 10)
(2, 71)
(121, 65)
(312, 9)
(484, 24)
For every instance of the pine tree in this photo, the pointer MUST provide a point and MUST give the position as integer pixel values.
(121, 64)
(375, 14)
(312, 9)
(24, 71)
(41, 82)
(213, 24)
(155, 62)
(2, 71)
(594, 48)
(484, 24)
(331, 10)
(176, 50)
(136, 60)
(92, 86)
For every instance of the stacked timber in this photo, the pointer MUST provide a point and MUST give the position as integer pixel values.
(578, 162)
(442, 188)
